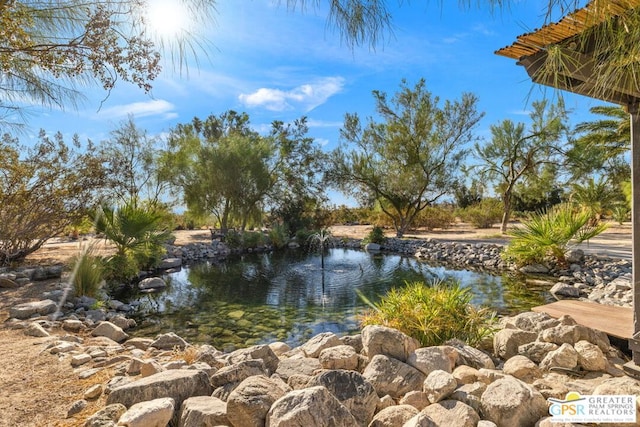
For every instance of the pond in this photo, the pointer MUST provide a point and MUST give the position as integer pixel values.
(286, 296)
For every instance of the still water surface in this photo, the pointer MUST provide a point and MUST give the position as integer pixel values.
(287, 296)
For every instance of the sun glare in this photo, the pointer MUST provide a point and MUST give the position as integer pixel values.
(167, 18)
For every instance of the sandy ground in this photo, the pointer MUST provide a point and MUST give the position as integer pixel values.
(37, 390)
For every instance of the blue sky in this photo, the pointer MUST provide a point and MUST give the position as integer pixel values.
(278, 64)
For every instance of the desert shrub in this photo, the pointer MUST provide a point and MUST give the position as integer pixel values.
(87, 274)
(549, 235)
(434, 217)
(376, 235)
(279, 236)
(484, 214)
(432, 313)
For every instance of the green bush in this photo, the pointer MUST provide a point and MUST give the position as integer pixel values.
(279, 236)
(549, 235)
(252, 239)
(243, 240)
(434, 217)
(121, 267)
(303, 236)
(484, 214)
(432, 314)
(87, 275)
(376, 235)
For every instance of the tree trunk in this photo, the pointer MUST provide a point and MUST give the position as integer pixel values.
(224, 221)
(506, 213)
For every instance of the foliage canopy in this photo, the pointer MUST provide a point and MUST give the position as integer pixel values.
(410, 158)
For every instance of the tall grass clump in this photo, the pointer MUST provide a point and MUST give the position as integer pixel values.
(431, 313)
(87, 275)
(548, 236)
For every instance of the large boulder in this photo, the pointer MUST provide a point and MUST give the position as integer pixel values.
(509, 402)
(153, 413)
(249, 403)
(590, 357)
(470, 394)
(168, 341)
(178, 384)
(564, 357)
(393, 377)
(310, 407)
(449, 413)
(537, 350)
(238, 372)
(298, 366)
(470, 356)
(522, 368)
(507, 341)
(315, 345)
(439, 385)
(356, 393)
(263, 352)
(28, 309)
(393, 416)
(203, 411)
(107, 416)
(339, 357)
(427, 359)
(388, 342)
(530, 321)
(622, 385)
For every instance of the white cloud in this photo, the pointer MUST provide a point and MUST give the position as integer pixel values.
(153, 107)
(313, 123)
(323, 142)
(305, 97)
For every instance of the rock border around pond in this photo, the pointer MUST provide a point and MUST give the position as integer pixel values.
(378, 378)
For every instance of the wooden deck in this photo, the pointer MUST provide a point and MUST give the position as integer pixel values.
(615, 321)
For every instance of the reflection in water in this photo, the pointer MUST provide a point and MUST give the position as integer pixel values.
(287, 296)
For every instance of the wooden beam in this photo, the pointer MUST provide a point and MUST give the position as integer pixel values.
(576, 76)
(634, 112)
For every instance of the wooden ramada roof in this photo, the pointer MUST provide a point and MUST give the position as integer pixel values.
(594, 13)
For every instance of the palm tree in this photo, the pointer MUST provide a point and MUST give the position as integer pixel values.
(595, 197)
(602, 146)
(137, 232)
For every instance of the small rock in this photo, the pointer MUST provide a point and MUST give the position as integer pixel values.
(76, 407)
(36, 330)
(93, 392)
(152, 283)
(80, 359)
(111, 331)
